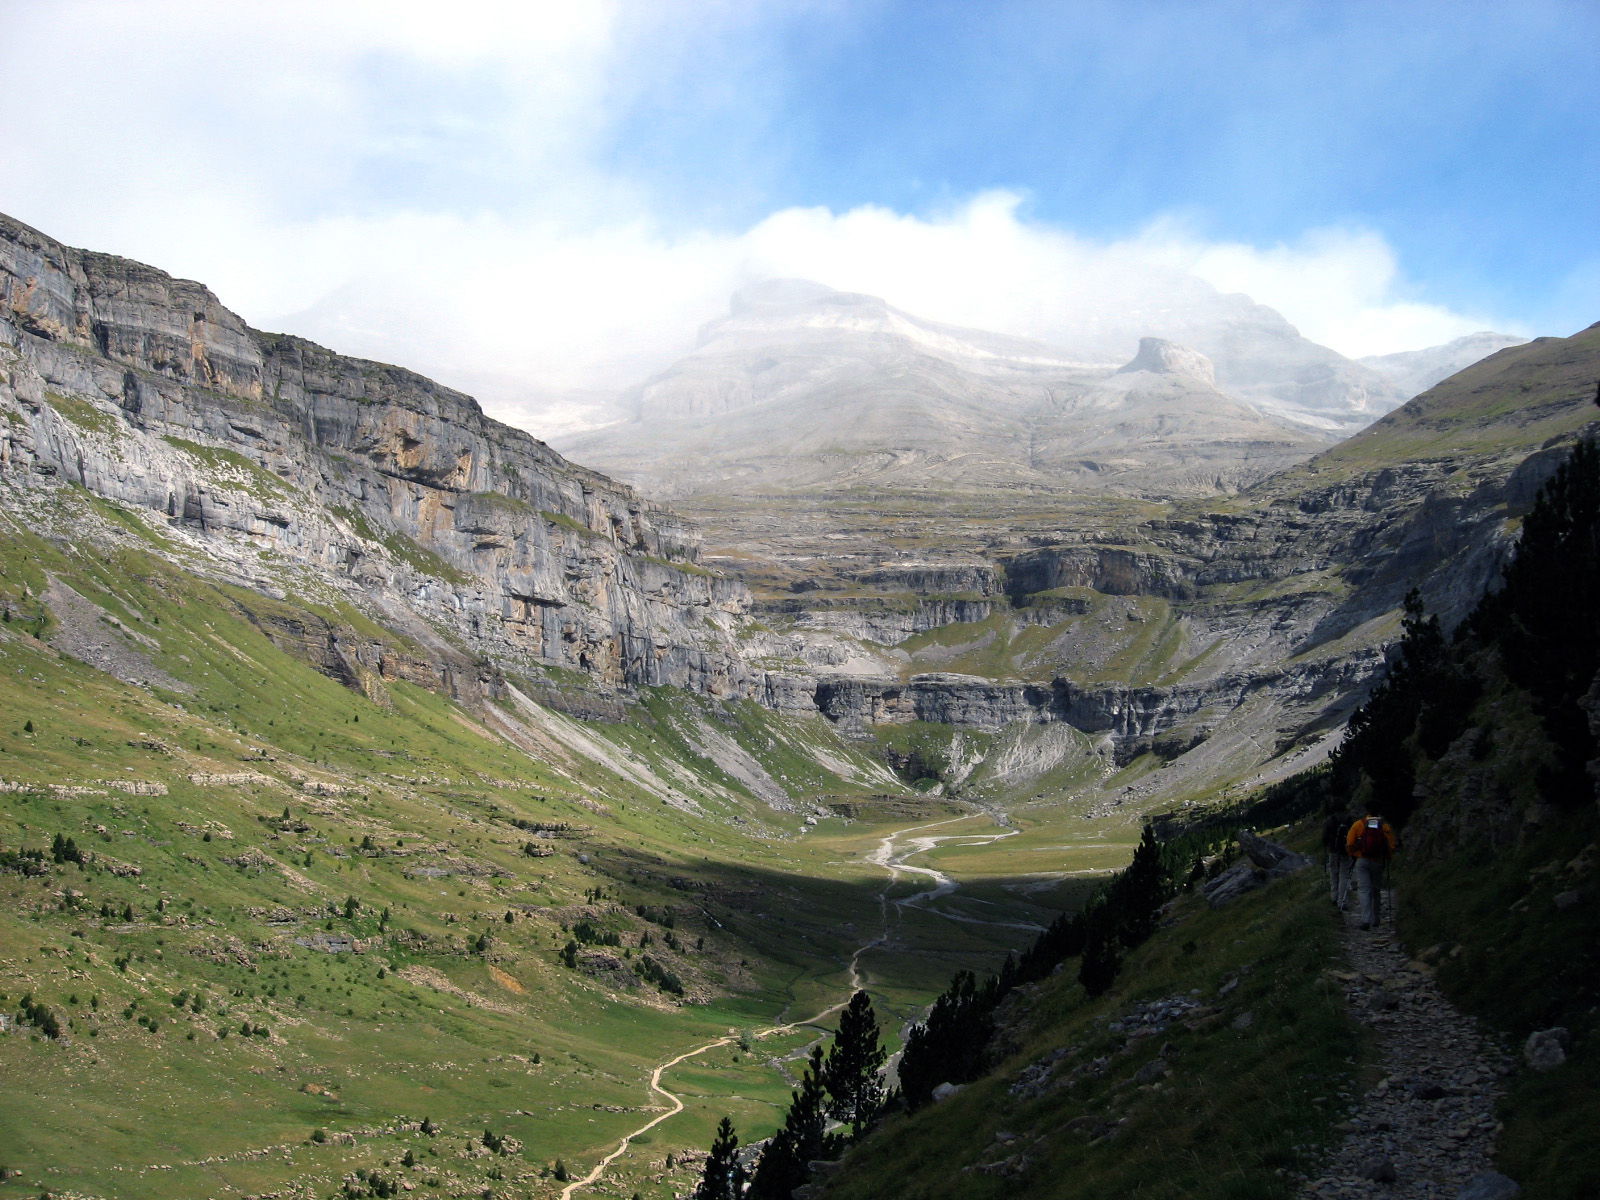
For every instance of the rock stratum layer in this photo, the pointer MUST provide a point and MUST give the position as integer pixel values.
(1215, 634)
(270, 453)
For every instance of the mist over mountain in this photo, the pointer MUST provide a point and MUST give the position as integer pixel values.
(801, 386)
(1415, 371)
(424, 793)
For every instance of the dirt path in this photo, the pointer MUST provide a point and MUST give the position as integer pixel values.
(1429, 1125)
(884, 856)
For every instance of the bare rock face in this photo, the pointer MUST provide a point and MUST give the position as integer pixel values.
(1162, 357)
(143, 389)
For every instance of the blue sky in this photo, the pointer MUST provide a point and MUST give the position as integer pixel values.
(540, 196)
(1465, 133)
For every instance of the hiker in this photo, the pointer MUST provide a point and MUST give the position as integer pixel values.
(1370, 842)
(1339, 861)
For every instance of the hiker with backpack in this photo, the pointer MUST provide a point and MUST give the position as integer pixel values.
(1338, 857)
(1371, 843)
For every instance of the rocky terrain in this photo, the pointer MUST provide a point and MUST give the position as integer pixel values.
(967, 587)
(281, 465)
(1427, 1129)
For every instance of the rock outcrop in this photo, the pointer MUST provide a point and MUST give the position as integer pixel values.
(271, 453)
(1162, 357)
(268, 461)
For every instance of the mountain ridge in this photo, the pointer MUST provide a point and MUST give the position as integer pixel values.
(793, 359)
(385, 796)
(499, 562)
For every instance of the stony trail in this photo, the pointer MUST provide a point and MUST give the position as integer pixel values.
(1428, 1127)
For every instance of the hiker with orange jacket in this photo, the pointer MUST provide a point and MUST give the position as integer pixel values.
(1371, 842)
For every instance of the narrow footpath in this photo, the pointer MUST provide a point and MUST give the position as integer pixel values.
(1428, 1127)
(891, 860)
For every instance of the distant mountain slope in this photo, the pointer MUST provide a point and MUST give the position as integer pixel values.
(802, 387)
(1415, 371)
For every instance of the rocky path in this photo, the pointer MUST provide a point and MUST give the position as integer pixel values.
(1427, 1130)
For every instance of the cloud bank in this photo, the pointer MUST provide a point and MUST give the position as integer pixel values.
(457, 190)
(505, 305)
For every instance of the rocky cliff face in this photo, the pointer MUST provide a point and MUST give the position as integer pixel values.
(270, 454)
(271, 462)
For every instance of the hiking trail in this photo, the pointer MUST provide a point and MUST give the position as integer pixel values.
(892, 861)
(1428, 1127)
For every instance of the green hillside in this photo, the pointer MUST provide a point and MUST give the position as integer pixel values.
(259, 924)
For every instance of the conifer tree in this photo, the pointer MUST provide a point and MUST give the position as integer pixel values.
(1136, 897)
(786, 1162)
(724, 1177)
(1098, 968)
(852, 1073)
(949, 1046)
(1376, 756)
(1543, 617)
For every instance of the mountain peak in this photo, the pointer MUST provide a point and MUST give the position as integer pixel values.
(767, 295)
(1161, 357)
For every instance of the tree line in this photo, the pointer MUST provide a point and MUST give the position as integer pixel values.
(1537, 630)
(842, 1094)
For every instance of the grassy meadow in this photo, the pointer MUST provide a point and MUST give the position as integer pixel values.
(301, 936)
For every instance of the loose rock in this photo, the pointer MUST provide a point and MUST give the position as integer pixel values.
(1426, 1129)
(1546, 1049)
(1490, 1185)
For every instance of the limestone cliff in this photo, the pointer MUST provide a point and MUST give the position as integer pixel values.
(270, 455)
(1215, 633)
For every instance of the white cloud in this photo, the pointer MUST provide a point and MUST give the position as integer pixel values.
(511, 308)
(1342, 287)
(432, 185)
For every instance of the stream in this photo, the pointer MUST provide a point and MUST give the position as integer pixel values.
(889, 855)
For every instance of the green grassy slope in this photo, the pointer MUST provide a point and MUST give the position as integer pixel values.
(310, 915)
(1498, 409)
(1213, 1067)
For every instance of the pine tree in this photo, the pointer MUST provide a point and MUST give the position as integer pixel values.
(1100, 964)
(852, 1074)
(1376, 755)
(1135, 898)
(1061, 941)
(949, 1046)
(1543, 619)
(724, 1177)
(786, 1162)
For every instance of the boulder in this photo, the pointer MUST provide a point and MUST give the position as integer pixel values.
(1380, 1171)
(1270, 856)
(1265, 861)
(1546, 1049)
